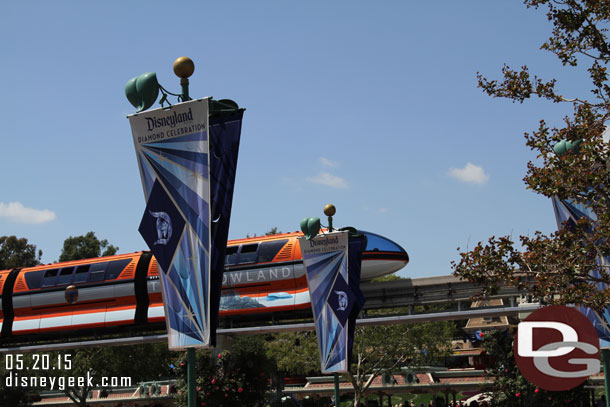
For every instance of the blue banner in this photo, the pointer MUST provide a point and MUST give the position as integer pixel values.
(187, 163)
(333, 275)
(225, 133)
(569, 212)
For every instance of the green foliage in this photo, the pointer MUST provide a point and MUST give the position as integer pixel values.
(139, 362)
(233, 379)
(377, 350)
(557, 267)
(295, 353)
(512, 389)
(387, 277)
(17, 252)
(13, 395)
(86, 247)
(385, 348)
(273, 231)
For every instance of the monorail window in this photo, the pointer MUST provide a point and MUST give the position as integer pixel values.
(376, 243)
(50, 276)
(248, 253)
(115, 268)
(268, 250)
(65, 276)
(82, 272)
(97, 272)
(231, 255)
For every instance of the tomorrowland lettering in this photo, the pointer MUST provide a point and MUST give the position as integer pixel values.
(236, 277)
(171, 120)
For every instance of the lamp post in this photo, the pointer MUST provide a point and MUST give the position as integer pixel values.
(189, 175)
(332, 266)
(330, 210)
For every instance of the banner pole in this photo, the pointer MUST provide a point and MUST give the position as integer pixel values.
(606, 359)
(337, 390)
(190, 363)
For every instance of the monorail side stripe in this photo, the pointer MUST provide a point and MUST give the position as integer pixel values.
(7, 303)
(141, 288)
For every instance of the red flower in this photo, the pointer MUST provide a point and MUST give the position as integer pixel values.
(213, 381)
(226, 395)
(240, 390)
(217, 387)
(203, 403)
(198, 388)
(537, 391)
(220, 356)
(517, 395)
(208, 393)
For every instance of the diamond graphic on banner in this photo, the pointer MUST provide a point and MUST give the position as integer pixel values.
(341, 300)
(161, 226)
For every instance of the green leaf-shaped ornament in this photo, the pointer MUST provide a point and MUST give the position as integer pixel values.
(574, 146)
(132, 94)
(564, 146)
(147, 88)
(310, 227)
(560, 148)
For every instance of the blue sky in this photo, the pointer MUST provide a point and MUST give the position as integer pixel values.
(370, 106)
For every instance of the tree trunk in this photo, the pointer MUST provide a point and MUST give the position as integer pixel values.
(357, 396)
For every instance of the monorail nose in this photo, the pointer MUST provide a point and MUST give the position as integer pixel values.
(381, 256)
(376, 243)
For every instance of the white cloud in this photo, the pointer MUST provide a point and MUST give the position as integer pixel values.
(16, 212)
(470, 173)
(330, 180)
(328, 163)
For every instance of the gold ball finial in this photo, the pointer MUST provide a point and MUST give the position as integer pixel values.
(330, 210)
(184, 67)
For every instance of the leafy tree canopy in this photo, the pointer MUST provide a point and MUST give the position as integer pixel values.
(273, 231)
(17, 252)
(377, 350)
(11, 394)
(86, 247)
(139, 362)
(511, 388)
(295, 353)
(557, 267)
(234, 378)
